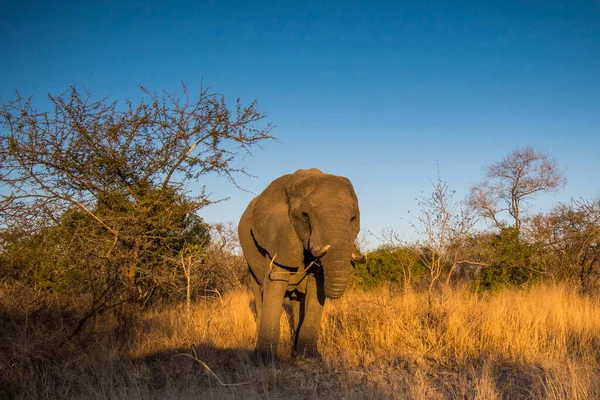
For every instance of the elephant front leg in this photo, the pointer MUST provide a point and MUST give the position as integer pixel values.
(296, 313)
(270, 316)
(306, 343)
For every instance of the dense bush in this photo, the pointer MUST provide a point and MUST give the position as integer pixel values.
(566, 241)
(389, 264)
(513, 263)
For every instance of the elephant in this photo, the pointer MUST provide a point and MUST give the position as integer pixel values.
(298, 237)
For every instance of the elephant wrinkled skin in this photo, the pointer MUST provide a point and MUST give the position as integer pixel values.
(298, 239)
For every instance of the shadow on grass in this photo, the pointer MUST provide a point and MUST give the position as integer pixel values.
(208, 372)
(37, 362)
(105, 363)
(196, 372)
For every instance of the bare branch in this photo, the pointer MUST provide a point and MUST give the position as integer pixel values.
(513, 181)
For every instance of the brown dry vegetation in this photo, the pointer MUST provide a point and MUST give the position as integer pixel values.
(539, 343)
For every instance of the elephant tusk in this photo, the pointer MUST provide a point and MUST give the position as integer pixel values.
(359, 259)
(277, 275)
(318, 253)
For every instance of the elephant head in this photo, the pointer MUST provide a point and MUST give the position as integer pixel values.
(307, 216)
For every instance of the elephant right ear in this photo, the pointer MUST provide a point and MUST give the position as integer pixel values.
(272, 228)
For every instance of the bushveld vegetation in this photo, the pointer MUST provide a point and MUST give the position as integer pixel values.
(112, 286)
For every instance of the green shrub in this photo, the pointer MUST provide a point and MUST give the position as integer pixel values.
(513, 265)
(389, 264)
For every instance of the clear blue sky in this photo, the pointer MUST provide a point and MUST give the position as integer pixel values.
(376, 91)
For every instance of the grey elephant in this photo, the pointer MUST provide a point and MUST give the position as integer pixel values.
(298, 239)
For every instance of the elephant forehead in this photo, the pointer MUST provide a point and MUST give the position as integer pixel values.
(328, 186)
(332, 203)
(337, 195)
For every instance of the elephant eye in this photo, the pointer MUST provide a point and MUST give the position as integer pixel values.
(353, 219)
(305, 215)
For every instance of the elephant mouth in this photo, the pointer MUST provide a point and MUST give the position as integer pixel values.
(318, 252)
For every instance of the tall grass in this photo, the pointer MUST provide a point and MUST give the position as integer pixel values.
(540, 343)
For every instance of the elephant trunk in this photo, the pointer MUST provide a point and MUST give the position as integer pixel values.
(337, 268)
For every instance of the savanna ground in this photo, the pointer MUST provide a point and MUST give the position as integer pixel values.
(543, 342)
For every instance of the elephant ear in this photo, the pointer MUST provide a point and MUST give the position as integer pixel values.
(356, 223)
(272, 228)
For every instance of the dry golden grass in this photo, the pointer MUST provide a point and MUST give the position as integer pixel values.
(541, 343)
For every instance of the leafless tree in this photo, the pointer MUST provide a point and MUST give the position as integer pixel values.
(568, 240)
(222, 264)
(443, 224)
(508, 185)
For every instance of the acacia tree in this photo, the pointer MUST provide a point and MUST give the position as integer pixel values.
(510, 183)
(116, 173)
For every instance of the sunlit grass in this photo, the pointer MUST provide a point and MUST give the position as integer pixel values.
(540, 343)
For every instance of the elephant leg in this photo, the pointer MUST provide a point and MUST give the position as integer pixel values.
(257, 300)
(268, 333)
(296, 315)
(306, 344)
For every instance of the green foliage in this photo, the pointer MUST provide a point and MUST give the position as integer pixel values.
(513, 265)
(95, 207)
(389, 264)
(67, 260)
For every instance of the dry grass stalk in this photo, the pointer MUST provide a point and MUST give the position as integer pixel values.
(541, 343)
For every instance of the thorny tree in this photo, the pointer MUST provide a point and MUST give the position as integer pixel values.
(511, 182)
(116, 174)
